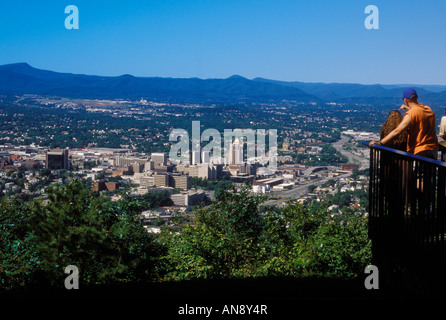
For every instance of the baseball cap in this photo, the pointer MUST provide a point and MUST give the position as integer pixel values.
(408, 93)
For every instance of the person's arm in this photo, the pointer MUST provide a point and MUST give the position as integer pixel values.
(395, 132)
(404, 107)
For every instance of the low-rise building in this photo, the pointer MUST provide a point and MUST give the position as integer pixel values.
(188, 198)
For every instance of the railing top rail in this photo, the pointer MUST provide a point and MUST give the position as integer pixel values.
(407, 154)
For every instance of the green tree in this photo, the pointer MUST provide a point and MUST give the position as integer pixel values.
(18, 251)
(342, 248)
(235, 237)
(220, 242)
(156, 199)
(104, 239)
(311, 188)
(45, 172)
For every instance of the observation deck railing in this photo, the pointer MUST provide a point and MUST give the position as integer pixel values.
(407, 215)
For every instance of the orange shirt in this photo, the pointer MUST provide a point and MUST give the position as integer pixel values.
(422, 134)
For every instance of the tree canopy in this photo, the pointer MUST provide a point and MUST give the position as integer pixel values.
(234, 237)
(104, 239)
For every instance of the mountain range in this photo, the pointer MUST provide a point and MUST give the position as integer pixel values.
(21, 78)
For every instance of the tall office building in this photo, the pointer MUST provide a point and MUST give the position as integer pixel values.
(195, 157)
(57, 159)
(206, 157)
(236, 152)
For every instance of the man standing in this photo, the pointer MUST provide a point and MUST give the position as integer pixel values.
(419, 120)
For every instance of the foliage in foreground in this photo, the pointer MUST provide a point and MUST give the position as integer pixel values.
(232, 238)
(104, 239)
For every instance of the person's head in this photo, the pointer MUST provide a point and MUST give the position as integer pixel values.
(393, 120)
(410, 96)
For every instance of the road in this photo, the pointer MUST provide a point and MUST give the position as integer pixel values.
(352, 158)
(301, 189)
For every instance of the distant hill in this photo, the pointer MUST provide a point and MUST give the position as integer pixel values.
(21, 78)
(353, 91)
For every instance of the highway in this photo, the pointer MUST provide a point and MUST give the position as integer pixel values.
(352, 158)
(301, 189)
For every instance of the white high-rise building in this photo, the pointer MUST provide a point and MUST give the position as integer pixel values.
(205, 157)
(195, 157)
(236, 152)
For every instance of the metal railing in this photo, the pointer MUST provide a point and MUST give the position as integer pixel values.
(407, 210)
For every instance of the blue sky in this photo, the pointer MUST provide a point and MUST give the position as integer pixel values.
(292, 40)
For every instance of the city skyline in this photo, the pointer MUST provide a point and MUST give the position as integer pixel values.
(282, 40)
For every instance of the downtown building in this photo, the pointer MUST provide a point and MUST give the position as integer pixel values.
(57, 159)
(188, 198)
